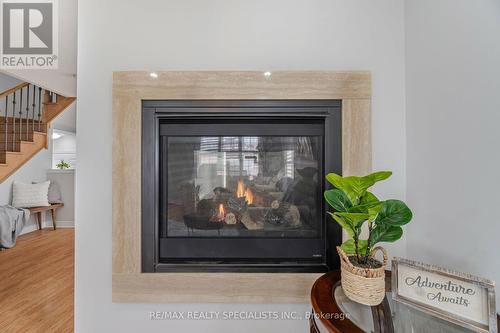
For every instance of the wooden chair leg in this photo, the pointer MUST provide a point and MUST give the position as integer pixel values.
(53, 212)
(39, 220)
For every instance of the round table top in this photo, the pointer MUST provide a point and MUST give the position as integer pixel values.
(325, 307)
(330, 316)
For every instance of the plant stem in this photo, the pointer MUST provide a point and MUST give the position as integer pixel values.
(370, 228)
(356, 244)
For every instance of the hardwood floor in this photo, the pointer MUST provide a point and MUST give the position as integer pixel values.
(36, 283)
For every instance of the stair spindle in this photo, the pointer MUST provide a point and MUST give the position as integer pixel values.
(6, 127)
(33, 108)
(14, 122)
(21, 116)
(27, 111)
(39, 108)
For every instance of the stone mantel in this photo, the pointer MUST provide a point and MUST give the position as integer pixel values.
(130, 88)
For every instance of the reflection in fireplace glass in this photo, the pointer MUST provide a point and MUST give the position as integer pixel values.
(242, 186)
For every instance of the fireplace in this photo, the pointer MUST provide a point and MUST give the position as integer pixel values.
(238, 185)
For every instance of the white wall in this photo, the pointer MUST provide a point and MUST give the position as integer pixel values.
(7, 82)
(453, 114)
(66, 121)
(213, 35)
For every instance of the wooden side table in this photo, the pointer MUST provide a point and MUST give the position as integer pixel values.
(328, 316)
(38, 211)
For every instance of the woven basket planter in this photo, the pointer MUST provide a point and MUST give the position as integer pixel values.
(363, 285)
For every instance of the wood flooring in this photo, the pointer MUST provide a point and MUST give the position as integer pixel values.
(36, 283)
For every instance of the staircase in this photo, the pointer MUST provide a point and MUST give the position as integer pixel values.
(26, 112)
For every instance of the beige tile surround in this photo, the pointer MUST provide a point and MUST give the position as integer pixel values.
(129, 88)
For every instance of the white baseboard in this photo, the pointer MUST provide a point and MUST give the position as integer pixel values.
(47, 224)
(29, 228)
(63, 224)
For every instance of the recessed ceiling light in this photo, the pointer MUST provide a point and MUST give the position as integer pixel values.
(153, 75)
(267, 74)
(56, 136)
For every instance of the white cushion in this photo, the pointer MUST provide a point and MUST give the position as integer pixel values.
(30, 195)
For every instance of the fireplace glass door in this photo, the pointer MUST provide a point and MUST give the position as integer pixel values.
(234, 188)
(242, 186)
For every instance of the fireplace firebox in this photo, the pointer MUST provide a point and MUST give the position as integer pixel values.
(238, 185)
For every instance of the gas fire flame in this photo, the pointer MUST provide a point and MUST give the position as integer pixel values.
(222, 213)
(242, 192)
(249, 196)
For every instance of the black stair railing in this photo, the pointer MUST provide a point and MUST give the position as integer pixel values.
(22, 114)
(6, 141)
(14, 121)
(27, 112)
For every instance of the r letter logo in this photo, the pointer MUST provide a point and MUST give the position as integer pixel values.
(29, 34)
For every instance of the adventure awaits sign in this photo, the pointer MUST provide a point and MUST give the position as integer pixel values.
(440, 292)
(457, 297)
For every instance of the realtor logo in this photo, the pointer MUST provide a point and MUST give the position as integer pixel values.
(29, 34)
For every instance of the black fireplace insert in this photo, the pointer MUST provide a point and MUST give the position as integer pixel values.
(238, 186)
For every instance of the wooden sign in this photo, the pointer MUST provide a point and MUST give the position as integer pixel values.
(466, 300)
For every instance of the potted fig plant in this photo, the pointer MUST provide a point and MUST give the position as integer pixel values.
(363, 276)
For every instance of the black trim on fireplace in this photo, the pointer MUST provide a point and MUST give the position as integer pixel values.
(294, 111)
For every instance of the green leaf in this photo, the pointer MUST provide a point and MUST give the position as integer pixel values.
(372, 204)
(392, 234)
(379, 176)
(338, 200)
(368, 197)
(386, 233)
(374, 210)
(335, 180)
(394, 212)
(354, 219)
(365, 208)
(344, 224)
(354, 187)
(350, 249)
(357, 187)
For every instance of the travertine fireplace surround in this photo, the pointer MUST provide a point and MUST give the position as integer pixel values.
(130, 88)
